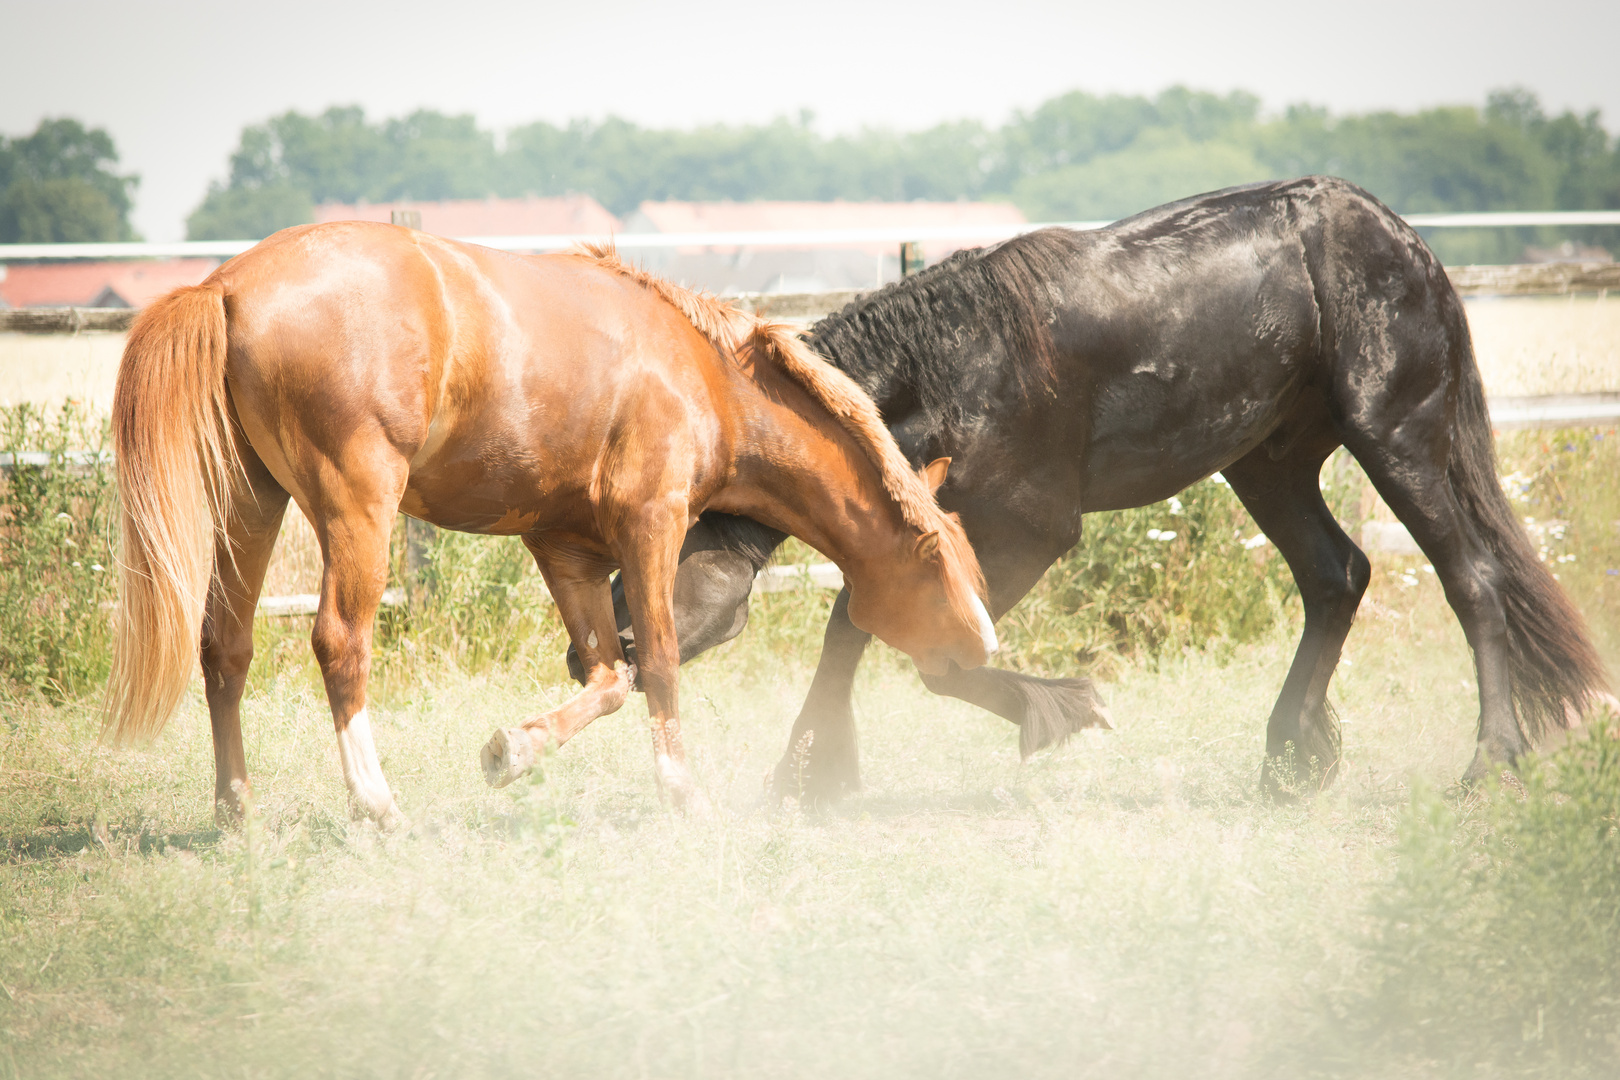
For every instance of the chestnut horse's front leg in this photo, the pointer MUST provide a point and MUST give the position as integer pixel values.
(579, 584)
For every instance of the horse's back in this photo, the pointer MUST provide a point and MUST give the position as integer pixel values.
(490, 376)
(1227, 318)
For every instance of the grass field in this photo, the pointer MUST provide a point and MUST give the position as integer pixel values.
(1123, 906)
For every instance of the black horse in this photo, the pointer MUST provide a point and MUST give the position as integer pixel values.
(1250, 331)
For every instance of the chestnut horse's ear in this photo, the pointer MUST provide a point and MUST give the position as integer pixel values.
(933, 473)
(928, 543)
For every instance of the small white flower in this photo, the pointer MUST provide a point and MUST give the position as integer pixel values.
(1175, 506)
(97, 567)
(1218, 478)
(1258, 540)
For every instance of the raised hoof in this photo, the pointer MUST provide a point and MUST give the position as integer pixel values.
(509, 754)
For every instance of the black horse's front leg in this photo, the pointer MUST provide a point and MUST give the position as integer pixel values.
(1047, 711)
(719, 559)
(822, 762)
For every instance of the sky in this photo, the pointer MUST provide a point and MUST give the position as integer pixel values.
(175, 82)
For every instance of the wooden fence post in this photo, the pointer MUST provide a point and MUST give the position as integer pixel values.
(411, 219)
(911, 258)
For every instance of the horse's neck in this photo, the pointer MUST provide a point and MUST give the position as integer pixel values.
(803, 474)
(894, 388)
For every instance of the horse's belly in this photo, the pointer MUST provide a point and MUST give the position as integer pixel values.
(503, 499)
(1137, 456)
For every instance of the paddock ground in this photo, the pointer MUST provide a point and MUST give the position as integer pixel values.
(1122, 906)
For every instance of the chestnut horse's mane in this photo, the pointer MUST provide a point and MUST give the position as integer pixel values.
(732, 331)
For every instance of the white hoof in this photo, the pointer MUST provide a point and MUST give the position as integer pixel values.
(676, 783)
(392, 819)
(509, 754)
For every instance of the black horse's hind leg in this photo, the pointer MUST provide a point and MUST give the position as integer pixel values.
(822, 762)
(1332, 573)
(1410, 473)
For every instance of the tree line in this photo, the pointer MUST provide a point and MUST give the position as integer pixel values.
(1078, 156)
(60, 185)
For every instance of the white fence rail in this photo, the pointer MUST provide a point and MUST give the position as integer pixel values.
(1521, 280)
(796, 238)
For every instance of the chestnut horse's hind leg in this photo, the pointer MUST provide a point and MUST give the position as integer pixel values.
(579, 584)
(354, 525)
(227, 637)
(1285, 499)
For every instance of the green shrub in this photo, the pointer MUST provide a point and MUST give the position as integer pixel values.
(1167, 576)
(58, 522)
(476, 602)
(1496, 945)
(1565, 485)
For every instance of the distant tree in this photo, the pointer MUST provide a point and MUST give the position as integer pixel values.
(434, 156)
(282, 168)
(1587, 160)
(1160, 166)
(248, 213)
(59, 185)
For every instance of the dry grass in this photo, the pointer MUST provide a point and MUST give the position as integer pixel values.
(1547, 344)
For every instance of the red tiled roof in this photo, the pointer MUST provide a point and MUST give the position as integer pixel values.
(770, 216)
(532, 216)
(83, 283)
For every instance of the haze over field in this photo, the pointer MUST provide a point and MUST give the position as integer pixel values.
(174, 83)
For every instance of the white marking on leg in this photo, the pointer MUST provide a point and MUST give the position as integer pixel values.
(987, 628)
(362, 772)
(590, 642)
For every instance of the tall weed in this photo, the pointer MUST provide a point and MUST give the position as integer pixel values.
(1176, 574)
(476, 602)
(58, 523)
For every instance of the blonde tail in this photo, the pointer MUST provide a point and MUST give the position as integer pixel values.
(176, 467)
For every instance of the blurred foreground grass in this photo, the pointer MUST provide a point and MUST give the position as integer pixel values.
(1123, 906)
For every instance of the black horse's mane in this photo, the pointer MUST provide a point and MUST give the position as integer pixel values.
(899, 339)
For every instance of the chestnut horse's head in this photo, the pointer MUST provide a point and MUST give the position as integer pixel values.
(928, 598)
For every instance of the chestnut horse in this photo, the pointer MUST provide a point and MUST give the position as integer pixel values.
(587, 407)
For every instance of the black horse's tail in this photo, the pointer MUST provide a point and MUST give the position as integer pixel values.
(1556, 672)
